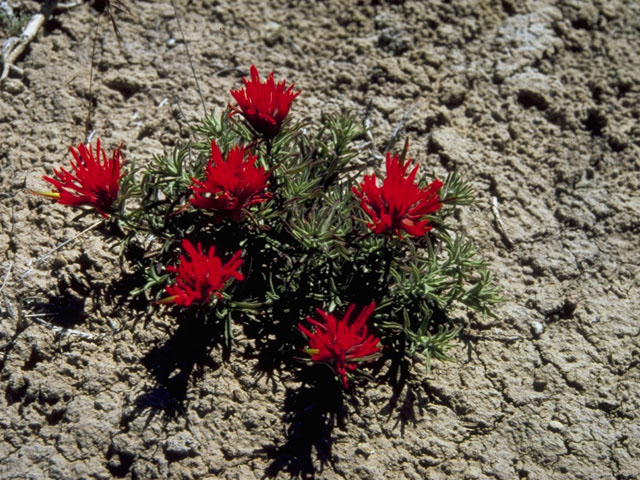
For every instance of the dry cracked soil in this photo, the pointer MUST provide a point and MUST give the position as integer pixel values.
(535, 102)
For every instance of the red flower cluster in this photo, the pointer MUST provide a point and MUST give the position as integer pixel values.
(263, 105)
(201, 276)
(94, 180)
(342, 344)
(399, 204)
(230, 185)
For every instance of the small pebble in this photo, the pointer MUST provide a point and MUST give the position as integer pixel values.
(536, 328)
(13, 86)
(539, 383)
(556, 426)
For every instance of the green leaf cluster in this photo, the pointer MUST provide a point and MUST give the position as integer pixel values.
(12, 24)
(308, 246)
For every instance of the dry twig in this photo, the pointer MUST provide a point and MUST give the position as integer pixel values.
(400, 127)
(61, 330)
(43, 257)
(499, 225)
(13, 47)
(22, 320)
(63, 7)
(186, 47)
(367, 126)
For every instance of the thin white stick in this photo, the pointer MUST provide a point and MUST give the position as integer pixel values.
(6, 277)
(12, 49)
(9, 308)
(64, 331)
(90, 137)
(63, 7)
(401, 125)
(372, 141)
(499, 224)
(57, 247)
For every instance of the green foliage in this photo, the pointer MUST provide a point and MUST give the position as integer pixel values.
(308, 245)
(335, 149)
(160, 191)
(427, 284)
(455, 192)
(152, 278)
(13, 25)
(223, 130)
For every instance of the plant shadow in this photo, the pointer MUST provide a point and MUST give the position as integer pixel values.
(65, 311)
(312, 411)
(178, 360)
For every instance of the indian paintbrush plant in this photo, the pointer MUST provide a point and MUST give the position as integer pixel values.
(275, 224)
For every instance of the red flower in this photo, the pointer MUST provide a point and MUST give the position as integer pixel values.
(399, 204)
(263, 105)
(94, 180)
(201, 276)
(230, 185)
(341, 344)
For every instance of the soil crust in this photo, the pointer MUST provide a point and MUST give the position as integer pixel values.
(535, 102)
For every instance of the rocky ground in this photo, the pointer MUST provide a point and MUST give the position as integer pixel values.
(536, 102)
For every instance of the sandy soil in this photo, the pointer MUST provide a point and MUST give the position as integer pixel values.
(536, 102)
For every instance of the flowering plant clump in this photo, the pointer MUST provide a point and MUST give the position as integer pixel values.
(308, 225)
(94, 180)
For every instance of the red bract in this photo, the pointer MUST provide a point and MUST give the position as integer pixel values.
(340, 343)
(94, 180)
(399, 204)
(230, 185)
(201, 275)
(263, 105)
